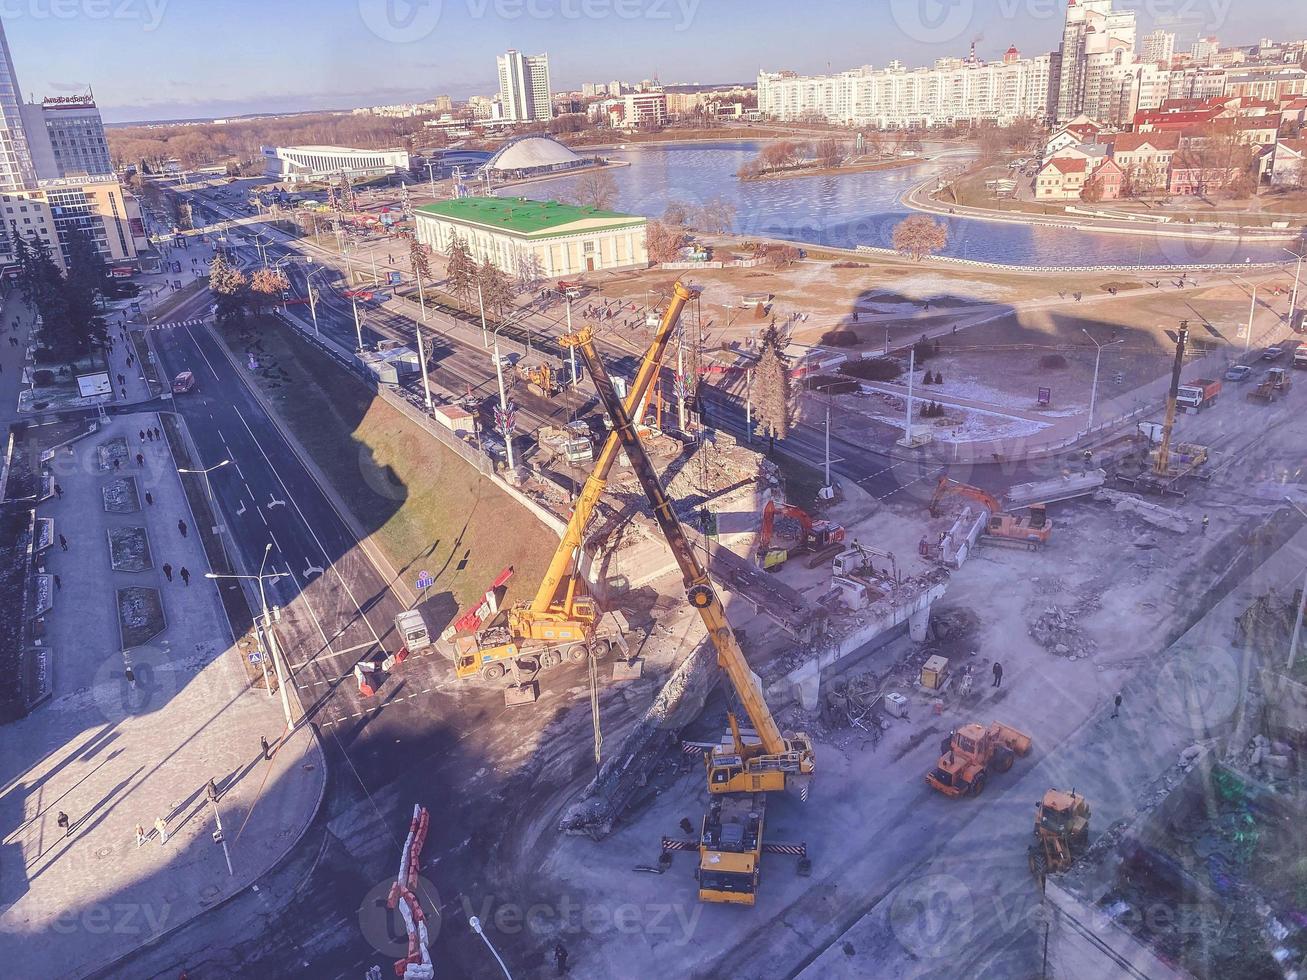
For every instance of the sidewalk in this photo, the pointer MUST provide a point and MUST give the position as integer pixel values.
(113, 752)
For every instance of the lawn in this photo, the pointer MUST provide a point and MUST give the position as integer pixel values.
(424, 507)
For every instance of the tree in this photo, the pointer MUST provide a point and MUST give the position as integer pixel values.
(461, 271)
(830, 153)
(419, 257)
(595, 189)
(84, 286)
(230, 290)
(919, 235)
(776, 256)
(496, 290)
(771, 387)
(1092, 192)
(663, 241)
(677, 214)
(715, 216)
(266, 287)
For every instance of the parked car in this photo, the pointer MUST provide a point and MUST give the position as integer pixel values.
(1239, 372)
(1272, 353)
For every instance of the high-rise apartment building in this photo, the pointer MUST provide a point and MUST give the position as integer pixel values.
(524, 86)
(1158, 47)
(16, 170)
(1095, 61)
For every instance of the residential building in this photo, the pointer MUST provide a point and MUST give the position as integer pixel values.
(1106, 183)
(1287, 169)
(301, 164)
(1094, 61)
(524, 86)
(1145, 159)
(535, 239)
(1204, 50)
(1191, 177)
(1195, 83)
(895, 97)
(644, 110)
(1061, 179)
(1273, 83)
(66, 137)
(1158, 47)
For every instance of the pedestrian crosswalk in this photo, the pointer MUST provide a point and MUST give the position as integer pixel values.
(193, 322)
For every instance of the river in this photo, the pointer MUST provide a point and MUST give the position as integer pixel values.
(862, 209)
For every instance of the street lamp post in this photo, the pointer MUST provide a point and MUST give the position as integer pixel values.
(358, 326)
(481, 305)
(1297, 618)
(1297, 276)
(266, 623)
(431, 173)
(422, 358)
(313, 299)
(1252, 309)
(571, 350)
(1093, 391)
(475, 923)
(505, 428)
(205, 473)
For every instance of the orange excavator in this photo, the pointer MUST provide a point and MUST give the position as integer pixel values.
(1030, 530)
(816, 535)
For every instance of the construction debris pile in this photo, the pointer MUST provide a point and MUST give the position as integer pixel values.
(1154, 514)
(855, 703)
(1272, 762)
(1057, 630)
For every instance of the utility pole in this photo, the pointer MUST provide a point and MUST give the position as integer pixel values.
(571, 350)
(358, 327)
(748, 404)
(422, 358)
(481, 305)
(505, 429)
(680, 377)
(211, 791)
(1093, 391)
(912, 371)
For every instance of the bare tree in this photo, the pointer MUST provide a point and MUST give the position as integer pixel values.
(663, 240)
(461, 270)
(266, 287)
(919, 235)
(595, 189)
(715, 216)
(830, 153)
(496, 290)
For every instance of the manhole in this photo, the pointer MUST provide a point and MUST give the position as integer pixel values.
(209, 894)
(103, 852)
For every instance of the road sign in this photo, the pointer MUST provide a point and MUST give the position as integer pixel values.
(425, 581)
(395, 278)
(256, 657)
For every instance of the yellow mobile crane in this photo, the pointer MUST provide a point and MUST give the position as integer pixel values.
(747, 764)
(563, 619)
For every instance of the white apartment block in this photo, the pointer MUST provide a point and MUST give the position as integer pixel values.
(644, 109)
(524, 86)
(1158, 47)
(951, 91)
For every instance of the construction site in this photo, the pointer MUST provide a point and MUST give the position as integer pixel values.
(824, 732)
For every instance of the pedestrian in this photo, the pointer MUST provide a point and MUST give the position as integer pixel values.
(117, 463)
(267, 749)
(149, 498)
(560, 958)
(161, 825)
(181, 526)
(1089, 458)
(59, 586)
(59, 491)
(64, 825)
(998, 674)
(140, 835)
(130, 675)
(140, 461)
(157, 433)
(686, 826)
(63, 542)
(167, 571)
(142, 435)
(185, 573)
(122, 380)
(1116, 706)
(1205, 523)
(122, 392)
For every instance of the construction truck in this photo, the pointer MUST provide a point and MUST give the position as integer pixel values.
(748, 763)
(1198, 394)
(1061, 833)
(814, 535)
(563, 621)
(1275, 382)
(1031, 530)
(969, 754)
(540, 378)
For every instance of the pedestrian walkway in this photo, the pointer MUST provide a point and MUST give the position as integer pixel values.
(137, 727)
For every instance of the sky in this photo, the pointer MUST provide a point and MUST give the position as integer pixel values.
(165, 59)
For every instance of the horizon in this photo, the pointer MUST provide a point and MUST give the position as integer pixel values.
(441, 47)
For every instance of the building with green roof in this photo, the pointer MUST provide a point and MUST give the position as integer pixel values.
(536, 239)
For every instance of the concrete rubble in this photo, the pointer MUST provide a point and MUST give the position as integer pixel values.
(1154, 514)
(1057, 630)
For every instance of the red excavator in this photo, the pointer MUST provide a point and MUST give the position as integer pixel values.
(815, 535)
(1031, 530)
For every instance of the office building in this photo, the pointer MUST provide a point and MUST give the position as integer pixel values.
(16, 169)
(524, 86)
(1158, 47)
(66, 138)
(644, 110)
(535, 239)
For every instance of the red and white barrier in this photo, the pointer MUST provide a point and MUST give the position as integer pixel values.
(417, 964)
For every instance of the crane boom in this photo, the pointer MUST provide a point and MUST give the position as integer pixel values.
(560, 566)
(1162, 461)
(754, 767)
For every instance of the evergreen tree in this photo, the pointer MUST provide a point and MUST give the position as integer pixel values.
(771, 385)
(87, 279)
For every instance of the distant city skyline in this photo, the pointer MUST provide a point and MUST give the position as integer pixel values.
(168, 59)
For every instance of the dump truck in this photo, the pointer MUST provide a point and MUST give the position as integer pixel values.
(1061, 833)
(970, 753)
(1198, 394)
